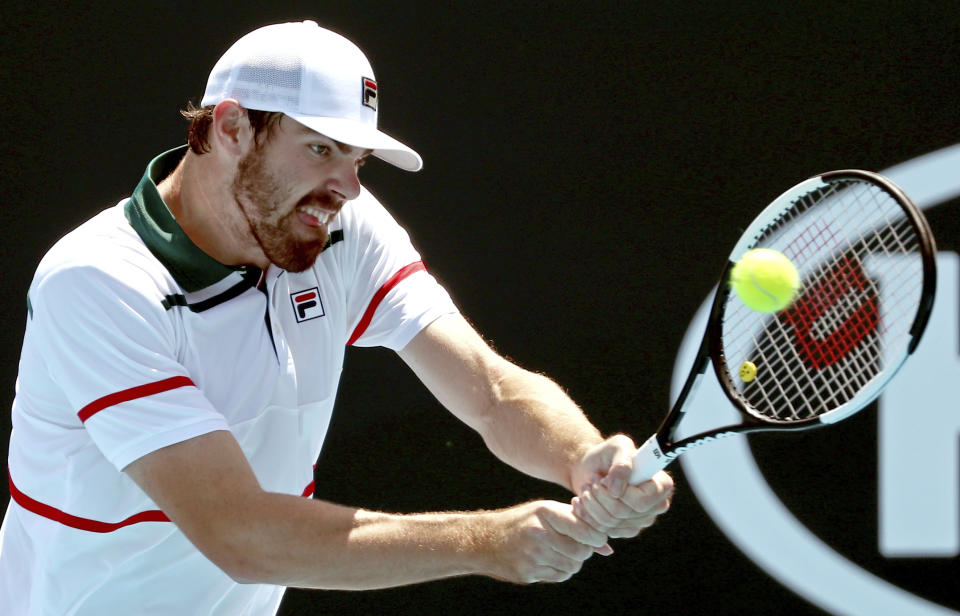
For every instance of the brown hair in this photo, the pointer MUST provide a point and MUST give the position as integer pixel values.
(202, 117)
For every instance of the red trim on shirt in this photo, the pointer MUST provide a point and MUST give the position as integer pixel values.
(141, 391)
(311, 487)
(94, 526)
(308, 491)
(364, 323)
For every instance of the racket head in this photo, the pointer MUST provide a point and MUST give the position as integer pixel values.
(866, 258)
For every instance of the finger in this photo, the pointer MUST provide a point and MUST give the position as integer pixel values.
(564, 522)
(568, 553)
(547, 574)
(559, 553)
(651, 496)
(617, 477)
(587, 508)
(599, 516)
(610, 516)
(604, 550)
(607, 508)
(579, 510)
(572, 554)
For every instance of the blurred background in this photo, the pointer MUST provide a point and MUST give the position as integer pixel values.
(588, 166)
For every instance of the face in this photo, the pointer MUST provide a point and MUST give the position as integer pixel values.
(290, 186)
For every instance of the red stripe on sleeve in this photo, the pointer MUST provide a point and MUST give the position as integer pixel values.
(94, 526)
(308, 491)
(141, 391)
(364, 323)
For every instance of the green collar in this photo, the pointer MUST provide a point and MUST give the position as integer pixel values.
(192, 268)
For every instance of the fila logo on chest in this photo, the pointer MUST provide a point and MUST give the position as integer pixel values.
(307, 304)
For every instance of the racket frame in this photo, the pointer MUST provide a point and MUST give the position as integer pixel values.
(660, 449)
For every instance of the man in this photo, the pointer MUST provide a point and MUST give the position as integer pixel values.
(182, 355)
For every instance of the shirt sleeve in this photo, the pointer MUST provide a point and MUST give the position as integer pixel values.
(108, 344)
(393, 296)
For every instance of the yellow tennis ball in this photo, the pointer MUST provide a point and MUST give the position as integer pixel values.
(765, 280)
(748, 371)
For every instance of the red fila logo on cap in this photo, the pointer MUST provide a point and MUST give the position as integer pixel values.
(307, 304)
(370, 93)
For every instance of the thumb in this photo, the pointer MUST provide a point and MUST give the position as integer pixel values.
(621, 465)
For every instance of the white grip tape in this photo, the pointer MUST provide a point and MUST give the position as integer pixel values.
(647, 461)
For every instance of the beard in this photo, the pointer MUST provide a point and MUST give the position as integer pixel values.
(260, 196)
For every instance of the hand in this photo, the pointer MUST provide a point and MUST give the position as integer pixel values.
(635, 509)
(607, 502)
(542, 541)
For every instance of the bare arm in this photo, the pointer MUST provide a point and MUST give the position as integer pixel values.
(525, 419)
(207, 488)
(530, 423)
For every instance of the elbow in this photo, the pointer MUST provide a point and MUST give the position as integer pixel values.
(239, 578)
(242, 568)
(235, 550)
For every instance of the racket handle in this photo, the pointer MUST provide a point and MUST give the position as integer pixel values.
(647, 461)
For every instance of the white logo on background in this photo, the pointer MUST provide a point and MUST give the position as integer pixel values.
(919, 430)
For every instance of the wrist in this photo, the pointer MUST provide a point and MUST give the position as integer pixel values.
(483, 536)
(446, 544)
(580, 468)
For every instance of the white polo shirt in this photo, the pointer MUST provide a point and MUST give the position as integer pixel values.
(137, 340)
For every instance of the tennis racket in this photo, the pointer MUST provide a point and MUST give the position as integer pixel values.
(866, 258)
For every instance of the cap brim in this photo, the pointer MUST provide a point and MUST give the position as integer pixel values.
(364, 136)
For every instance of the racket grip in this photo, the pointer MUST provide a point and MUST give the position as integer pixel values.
(647, 461)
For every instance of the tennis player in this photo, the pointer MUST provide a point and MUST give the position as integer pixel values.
(181, 359)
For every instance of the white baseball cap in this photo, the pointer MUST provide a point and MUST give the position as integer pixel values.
(312, 75)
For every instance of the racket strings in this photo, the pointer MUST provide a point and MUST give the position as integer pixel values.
(789, 392)
(858, 256)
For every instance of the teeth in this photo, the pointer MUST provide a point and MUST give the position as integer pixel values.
(321, 215)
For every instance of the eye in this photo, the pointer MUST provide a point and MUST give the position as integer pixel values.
(319, 148)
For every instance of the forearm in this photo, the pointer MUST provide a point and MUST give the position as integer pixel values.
(525, 418)
(206, 488)
(533, 425)
(292, 541)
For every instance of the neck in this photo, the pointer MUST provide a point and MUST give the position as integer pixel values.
(200, 198)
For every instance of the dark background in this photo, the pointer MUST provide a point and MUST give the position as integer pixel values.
(587, 168)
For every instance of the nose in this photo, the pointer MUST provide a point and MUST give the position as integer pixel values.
(344, 181)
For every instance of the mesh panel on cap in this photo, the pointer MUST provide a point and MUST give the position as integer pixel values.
(269, 82)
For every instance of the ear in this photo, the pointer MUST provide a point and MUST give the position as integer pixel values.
(230, 129)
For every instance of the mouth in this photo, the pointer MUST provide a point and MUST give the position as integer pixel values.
(314, 216)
